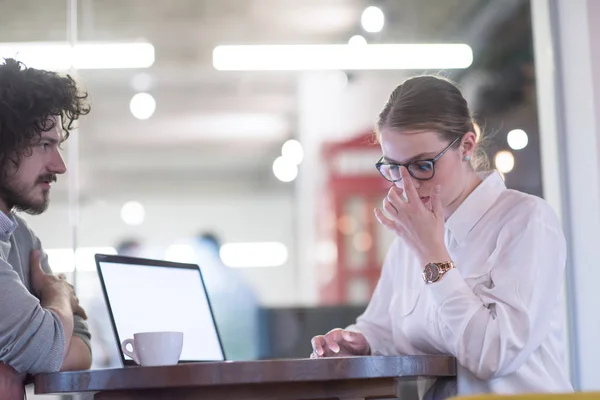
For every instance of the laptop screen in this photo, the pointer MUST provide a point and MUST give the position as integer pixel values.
(151, 295)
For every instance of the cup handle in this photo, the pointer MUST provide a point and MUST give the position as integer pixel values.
(132, 354)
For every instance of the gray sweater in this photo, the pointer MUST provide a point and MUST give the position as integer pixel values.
(31, 338)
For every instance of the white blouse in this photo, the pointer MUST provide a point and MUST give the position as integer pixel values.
(499, 312)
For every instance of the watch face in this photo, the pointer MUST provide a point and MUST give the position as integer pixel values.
(431, 272)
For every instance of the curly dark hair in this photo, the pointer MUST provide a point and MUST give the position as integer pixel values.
(28, 98)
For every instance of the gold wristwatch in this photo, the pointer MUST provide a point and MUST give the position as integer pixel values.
(433, 272)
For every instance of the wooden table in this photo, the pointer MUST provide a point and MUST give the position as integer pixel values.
(328, 378)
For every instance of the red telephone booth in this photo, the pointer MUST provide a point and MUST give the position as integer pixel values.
(348, 228)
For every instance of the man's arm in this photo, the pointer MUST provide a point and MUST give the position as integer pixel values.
(78, 352)
(54, 295)
(78, 356)
(31, 338)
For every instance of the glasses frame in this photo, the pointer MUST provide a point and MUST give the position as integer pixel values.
(432, 161)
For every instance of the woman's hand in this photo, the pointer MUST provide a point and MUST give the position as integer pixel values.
(340, 343)
(420, 226)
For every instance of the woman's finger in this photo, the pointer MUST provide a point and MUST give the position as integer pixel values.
(395, 197)
(332, 344)
(318, 345)
(390, 209)
(385, 221)
(409, 188)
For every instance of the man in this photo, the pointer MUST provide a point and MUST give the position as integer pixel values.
(42, 326)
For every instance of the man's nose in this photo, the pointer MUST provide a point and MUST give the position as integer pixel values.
(58, 166)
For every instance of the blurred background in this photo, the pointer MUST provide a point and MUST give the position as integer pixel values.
(266, 178)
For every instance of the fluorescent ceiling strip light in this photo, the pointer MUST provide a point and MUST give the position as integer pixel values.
(59, 56)
(64, 259)
(342, 57)
(254, 255)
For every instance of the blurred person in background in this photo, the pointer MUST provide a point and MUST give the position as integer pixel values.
(234, 303)
(130, 248)
(106, 350)
(475, 269)
(42, 326)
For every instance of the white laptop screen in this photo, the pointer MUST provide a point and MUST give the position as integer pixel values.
(146, 298)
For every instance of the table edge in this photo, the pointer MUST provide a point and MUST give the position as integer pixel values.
(197, 374)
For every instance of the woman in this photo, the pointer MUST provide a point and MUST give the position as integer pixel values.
(476, 269)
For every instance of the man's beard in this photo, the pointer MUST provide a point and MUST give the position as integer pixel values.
(15, 197)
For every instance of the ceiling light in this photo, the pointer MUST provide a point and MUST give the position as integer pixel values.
(284, 169)
(133, 213)
(64, 259)
(142, 105)
(505, 161)
(357, 40)
(517, 139)
(183, 253)
(292, 151)
(58, 56)
(258, 254)
(372, 19)
(341, 57)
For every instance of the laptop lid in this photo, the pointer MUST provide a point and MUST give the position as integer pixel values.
(152, 295)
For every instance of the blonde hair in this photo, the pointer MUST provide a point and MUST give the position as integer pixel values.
(432, 103)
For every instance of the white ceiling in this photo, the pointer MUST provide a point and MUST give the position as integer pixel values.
(191, 138)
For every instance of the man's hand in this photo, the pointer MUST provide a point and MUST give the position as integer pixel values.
(47, 286)
(340, 343)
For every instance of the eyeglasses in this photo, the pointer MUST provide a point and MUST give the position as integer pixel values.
(419, 169)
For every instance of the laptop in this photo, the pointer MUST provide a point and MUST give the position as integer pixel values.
(152, 295)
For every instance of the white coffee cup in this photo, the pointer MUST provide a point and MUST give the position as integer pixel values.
(154, 348)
